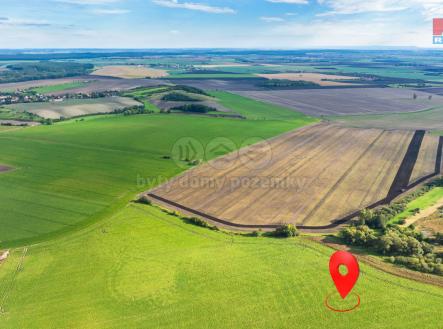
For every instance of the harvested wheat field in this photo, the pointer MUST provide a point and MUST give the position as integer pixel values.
(311, 177)
(324, 80)
(428, 158)
(130, 72)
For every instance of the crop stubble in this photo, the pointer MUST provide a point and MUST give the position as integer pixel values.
(328, 172)
(427, 156)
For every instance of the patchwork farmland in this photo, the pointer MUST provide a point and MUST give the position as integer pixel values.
(89, 84)
(14, 86)
(75, 107)
(325, 80)
(315, 177)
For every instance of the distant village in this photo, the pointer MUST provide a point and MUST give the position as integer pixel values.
(27, 96)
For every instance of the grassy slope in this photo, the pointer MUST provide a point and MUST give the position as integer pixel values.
(73, 172)
(12, 114)
(5, 128)
(144, 95)
(142, 268)
(257, 110)
(60, 87)
(427, 200)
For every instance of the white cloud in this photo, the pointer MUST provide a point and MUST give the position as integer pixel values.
(16, 22)
(295, 2)
(270, 19)
(194, 6)
(354, 33)
(428, 8)
(432, 8)
(110, 11)
(362, 6)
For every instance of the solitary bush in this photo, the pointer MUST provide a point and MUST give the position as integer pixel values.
(199, 222)
(286, 231)
(195, 162)
(254, 234)
(145, 200)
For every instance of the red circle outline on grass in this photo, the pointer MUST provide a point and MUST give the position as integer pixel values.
(342, 311)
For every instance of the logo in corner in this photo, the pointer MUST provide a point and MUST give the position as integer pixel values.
(438, 31)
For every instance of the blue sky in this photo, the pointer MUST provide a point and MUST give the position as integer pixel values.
(216, 23)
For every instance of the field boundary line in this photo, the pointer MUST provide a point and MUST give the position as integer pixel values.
(335, 224)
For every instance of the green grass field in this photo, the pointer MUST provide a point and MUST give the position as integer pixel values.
(6, 128)
(72, 172)
(389, 71)
(144, 94)
(425, 201)
(7, 113)
(142, 268)
(60, 87)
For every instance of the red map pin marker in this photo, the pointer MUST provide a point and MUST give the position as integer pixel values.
(344, 283)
